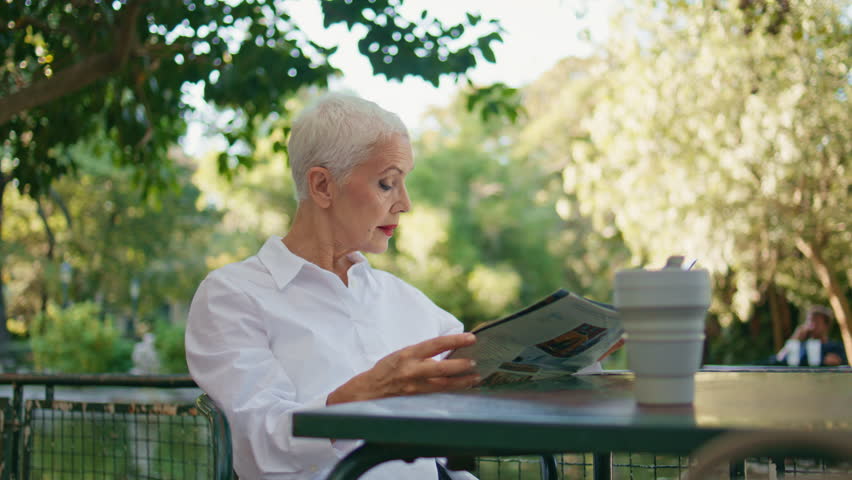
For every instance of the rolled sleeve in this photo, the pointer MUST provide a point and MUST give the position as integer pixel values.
(228, 354)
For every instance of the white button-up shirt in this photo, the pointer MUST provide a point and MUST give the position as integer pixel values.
(275, 333)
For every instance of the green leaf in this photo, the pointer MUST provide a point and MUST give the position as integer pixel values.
(487, 53)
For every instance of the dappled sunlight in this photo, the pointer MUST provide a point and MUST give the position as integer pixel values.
(494, 288)
(720, 134)
(218, 261)
(261, 201)
(717, 135)
(420, 238)
(16, 326)
(422, 230)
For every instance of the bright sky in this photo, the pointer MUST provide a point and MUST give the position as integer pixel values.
(538, 34)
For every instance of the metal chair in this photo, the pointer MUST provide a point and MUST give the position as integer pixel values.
(221, 433)
(729, 448)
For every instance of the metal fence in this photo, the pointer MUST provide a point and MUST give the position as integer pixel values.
(45, 438)
(106, 441)
(642, 466)
(585, 466)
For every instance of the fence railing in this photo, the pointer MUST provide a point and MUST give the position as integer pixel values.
(44, 437)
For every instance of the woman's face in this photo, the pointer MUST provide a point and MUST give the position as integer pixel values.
(367, 207)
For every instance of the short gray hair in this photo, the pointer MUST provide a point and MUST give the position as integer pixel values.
(825, 312)
(337, 132)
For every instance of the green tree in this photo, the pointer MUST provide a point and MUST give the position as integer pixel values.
(116, 235)
(592, 247)
(70, 66)
(490, 229)
(721, 131)
(70, 69)
(76, 340)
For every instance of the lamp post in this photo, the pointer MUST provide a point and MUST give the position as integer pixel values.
(134, 299)
(65, 278)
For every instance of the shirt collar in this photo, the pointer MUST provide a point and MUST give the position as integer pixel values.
(284, 265)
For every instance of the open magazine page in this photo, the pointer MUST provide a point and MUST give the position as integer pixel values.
(557, 336)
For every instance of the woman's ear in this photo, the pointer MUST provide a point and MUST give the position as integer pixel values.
(320, 186)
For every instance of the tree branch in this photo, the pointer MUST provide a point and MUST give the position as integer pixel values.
(51, 238)
(62, 83)
(57, 199)
(139, 87)
(126, 35)
(79, 75)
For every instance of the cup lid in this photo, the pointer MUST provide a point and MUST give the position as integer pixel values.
(665, 287)
(641, 278)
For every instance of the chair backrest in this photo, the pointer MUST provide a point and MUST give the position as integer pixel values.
(221, 436)
(737, 446)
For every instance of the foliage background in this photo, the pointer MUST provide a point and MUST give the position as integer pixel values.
(715, 130)
(78, 339)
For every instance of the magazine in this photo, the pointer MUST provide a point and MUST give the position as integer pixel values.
(556, 336)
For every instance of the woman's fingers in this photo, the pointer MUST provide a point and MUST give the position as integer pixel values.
(437, 345)
(412, 370)
(443, 368)
(440, 384)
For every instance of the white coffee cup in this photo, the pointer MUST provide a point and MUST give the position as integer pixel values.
(813, 348)
(793, 348)
(663, 313)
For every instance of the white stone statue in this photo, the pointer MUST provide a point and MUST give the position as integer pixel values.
(145, 358)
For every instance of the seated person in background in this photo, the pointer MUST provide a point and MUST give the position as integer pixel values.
(809, 343)
(307, 322)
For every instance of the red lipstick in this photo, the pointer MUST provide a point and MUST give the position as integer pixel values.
(387, 229)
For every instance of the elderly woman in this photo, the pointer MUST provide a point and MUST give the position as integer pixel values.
(307, 322)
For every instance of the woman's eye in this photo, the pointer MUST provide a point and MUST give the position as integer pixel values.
(384, 186)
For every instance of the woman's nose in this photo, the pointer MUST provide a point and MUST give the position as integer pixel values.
(404, 203)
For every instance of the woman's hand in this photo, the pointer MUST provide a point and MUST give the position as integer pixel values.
(410, 371)
(804, 331)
